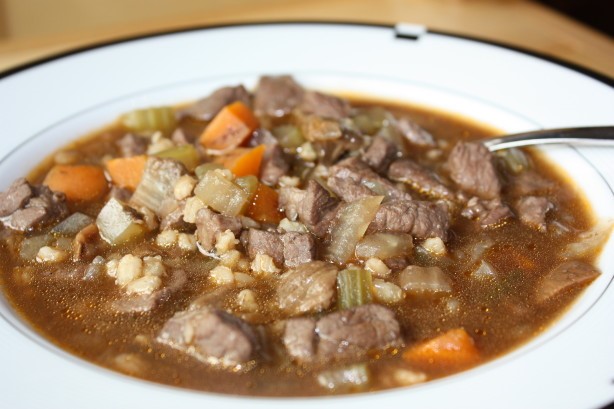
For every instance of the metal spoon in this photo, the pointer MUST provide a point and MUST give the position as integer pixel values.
(595, 136)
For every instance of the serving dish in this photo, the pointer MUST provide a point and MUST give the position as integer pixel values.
(48, 104)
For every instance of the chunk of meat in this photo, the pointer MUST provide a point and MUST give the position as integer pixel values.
(15, 197)
(85, 243)
(420, 219)
(565, 277)
(532, 183)
(489, 213)
(206, 108)
(380, 154)
(314, 206)
(265, 242)
(132, 145)
(472, 167)
(532, 211)
(414, 133)
(299, 248)
(209, 224)
(316, 128)
(299, 338)
(43, 206)
(419, 178)
(147, 302)
(210, 335)
(120, 193)
(308, 288)
(354, 332)
(324, 105)
(277, 96)
(352, 179)
(174, 219)
(273, 165)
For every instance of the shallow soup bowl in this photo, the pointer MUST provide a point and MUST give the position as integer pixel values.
(49, 103)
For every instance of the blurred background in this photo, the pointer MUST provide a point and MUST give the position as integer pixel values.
(579, 31)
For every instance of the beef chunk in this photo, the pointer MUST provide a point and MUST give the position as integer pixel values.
(43, 206)
(414, 133)
(132, 145)
(352, 179)
(313, 206)
(277, 96)
(532, 211)
(209, 224)
(299, 248)
(532, 183)
(273, 166)
(299, 338)
(147, 302)
(120, 193)
(323, 105)
(472, 168)
(262, 136)
(489, 213)
(565, 277)
(308, 288)
(210, 335)
(15, 197)
(420, 219)
(380, 154)
(316, 128)
(354, 332)
(206, 108)
(174, 219)
(265, 242)
(419, 178)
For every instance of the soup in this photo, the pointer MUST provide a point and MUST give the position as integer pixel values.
(287, 242)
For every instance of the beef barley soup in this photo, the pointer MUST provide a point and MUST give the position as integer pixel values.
(286, 242)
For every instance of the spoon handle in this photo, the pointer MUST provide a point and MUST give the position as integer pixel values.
(596, 136)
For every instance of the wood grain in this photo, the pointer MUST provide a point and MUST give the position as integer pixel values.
(38, 28)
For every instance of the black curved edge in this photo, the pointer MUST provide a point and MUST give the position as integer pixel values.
(575, 67)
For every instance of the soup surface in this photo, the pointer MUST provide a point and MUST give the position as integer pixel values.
(288, 243)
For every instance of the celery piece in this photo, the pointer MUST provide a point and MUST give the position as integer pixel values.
(349, 227)
(150, 120)
(249, 184)
(347, 378)
(369, 121)
(289, 136)
(514, 159)
(118, 223)
(354, 288)
(185, 154)
(221, 194)
(206, 167)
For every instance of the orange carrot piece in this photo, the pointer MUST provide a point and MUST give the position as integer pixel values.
(77, 182)
(244, 161)
(453, 349)
(265, 206)
(230, 127)
(127, 172)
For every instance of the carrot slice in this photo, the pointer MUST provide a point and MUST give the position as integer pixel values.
(454, 349)
(127, 172)
(244, 161)
(265, 205)
(230, 127)
(77, 182)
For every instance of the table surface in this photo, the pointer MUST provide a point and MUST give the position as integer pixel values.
(32, 29)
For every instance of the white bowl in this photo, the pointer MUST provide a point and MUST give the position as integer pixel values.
(45, 105)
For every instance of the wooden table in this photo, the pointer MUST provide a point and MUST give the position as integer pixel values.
(33, 29)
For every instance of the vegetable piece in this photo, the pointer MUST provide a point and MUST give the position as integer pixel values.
(370, 120)
(244, 161)
(221, 194)
(590, 240)
(157, 184)
(425, 280)
(484, 272)
(150, 120)
(119, 223)
(127, 172)
(514, 159)
(349, 227)
(289, 136)
(347, 378)
(454, 349)
(185, 154)
(264, 207)
(206, 167)
(73, 224)
(384, 246)
(230, 128)
(77, 182)
(354, 288)
(29, 247)
(249, 184)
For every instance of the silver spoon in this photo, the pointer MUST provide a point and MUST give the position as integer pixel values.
(595, 136)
